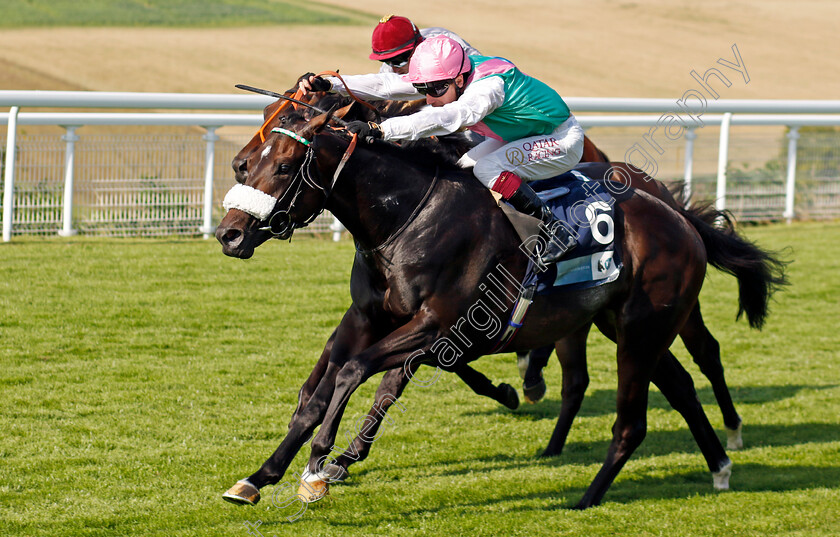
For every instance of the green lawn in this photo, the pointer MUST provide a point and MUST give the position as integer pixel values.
(139, 379)
(188, 13)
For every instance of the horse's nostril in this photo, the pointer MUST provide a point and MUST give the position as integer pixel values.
(229, 236)
(232, 235)
(240, 167)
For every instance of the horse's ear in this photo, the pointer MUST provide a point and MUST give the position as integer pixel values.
(317, 123)
(343, 112)
(360, 111)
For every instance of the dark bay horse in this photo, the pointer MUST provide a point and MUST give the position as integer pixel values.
(571, 350)
(453, 146)
(418, 275)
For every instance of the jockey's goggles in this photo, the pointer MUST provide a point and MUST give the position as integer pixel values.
(435, 89)
(400, 60)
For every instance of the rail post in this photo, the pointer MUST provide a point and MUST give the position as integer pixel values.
(70, 138)
(723, 158)
(790, 185)
(9, 179)
(209, 168)
(690, 135)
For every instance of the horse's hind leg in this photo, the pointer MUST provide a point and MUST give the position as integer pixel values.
(571, 352)
(533, 385)
(638, 347)
(629, 429)
(676, 385)
(643, 335)
(504, 394)
(705, 350)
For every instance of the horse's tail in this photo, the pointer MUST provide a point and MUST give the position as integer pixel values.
(760, 273)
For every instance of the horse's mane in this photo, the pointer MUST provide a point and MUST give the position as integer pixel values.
(442, 151)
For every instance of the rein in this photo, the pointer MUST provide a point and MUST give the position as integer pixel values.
(298, 94)
(353, 95)
(296, 100)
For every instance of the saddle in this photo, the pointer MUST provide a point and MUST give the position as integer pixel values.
(580, 200)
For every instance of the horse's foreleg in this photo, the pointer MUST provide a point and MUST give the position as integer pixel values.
(676, 385)
(352, 335)
(571, 352)
(314, 377)
(391, 352)
(478, 382)
(705, 350)
(389, 390)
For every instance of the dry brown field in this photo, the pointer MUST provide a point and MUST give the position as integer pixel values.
(599, 48)
(603, 48)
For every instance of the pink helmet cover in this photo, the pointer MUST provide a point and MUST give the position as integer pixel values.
(437, 58)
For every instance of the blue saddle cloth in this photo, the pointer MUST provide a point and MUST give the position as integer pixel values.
(586, 207)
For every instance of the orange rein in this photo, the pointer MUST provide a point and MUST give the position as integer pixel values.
(297, 95)
(350, 93)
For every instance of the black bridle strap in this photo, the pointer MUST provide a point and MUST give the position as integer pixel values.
(304, 177)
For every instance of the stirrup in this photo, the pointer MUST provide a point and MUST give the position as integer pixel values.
(557, 246)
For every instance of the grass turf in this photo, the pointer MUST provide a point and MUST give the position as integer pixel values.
(141, 378)
(181, 13)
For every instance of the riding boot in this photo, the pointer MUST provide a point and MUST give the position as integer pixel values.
(557, 238)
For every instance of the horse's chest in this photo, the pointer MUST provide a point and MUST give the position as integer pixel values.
(398, 303)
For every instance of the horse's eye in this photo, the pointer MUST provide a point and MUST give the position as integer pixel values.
(284, 169)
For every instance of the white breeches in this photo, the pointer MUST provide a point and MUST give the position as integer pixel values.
(535, 157)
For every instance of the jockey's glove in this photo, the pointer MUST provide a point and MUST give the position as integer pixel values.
(315, 82)
(368, 131)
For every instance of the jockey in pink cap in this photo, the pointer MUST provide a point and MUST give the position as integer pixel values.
(531, 134)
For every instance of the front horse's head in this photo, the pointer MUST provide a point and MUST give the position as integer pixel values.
(283, 189)
(273, 116)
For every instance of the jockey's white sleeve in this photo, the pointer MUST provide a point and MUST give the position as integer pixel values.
(479, 99)
(376, 86)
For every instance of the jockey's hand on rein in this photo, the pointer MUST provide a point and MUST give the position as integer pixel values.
(368, 131)
(313, 82)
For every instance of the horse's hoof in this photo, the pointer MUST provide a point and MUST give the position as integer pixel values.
(242, 493)
(509, 398)
(734, 440)
(335, 473)
(721, 477)
(535, 392)
(313, 491)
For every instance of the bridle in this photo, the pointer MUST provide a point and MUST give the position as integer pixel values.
(263, 206)
(278, 220)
